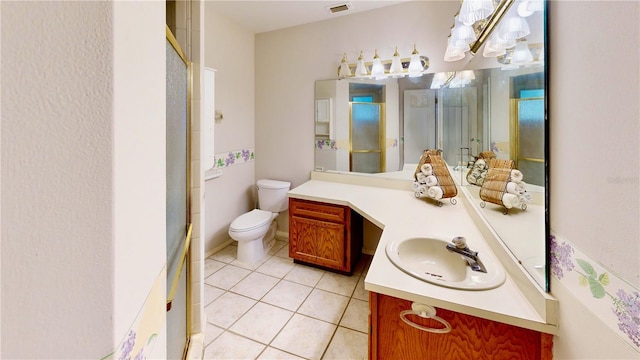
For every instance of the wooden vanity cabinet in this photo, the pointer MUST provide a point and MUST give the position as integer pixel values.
(470, 338)
(324, 235)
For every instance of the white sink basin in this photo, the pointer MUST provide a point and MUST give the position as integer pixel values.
(428, 259)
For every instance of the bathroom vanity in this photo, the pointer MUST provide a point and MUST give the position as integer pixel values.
(325, 235)
(515, 319)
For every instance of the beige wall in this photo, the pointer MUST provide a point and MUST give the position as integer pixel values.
(595, 156)
(82, 135)
(594, 129)
(230, 50)
(290, 60)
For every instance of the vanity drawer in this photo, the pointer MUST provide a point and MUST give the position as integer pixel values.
(315, 210)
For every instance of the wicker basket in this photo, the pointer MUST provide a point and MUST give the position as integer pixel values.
(424, 159)
(486, 155)
(440, 171)
(495, 183)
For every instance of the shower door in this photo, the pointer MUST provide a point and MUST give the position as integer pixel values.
(528, 115)
(366, 137)
(419, 123)
(177, 198)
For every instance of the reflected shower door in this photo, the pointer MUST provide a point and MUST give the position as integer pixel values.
(529, 138)
(366, 135)
(419, 122)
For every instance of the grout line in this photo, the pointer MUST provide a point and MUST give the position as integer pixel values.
(365, 265)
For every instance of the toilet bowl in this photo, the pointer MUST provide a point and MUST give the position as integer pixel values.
(249, 230)
(255, 230)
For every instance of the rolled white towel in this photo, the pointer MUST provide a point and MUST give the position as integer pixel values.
(423, 190)
(415, 186)
(516, 175)
(431, 180)
(513, 188)
(434, 192)
(422, 178)
(510, 200)
(481, 164)
(426, 169)
(521, 186)
(525, 197)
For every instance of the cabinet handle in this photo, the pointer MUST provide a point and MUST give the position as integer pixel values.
(426, 312)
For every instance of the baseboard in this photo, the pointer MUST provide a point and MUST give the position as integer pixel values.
(282, 235)
(218, 248)
(195, 350)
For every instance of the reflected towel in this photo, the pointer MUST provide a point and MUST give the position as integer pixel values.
(510, 200)
(434, 192)
(423, 190)
(514, 188)
(480, 164)
(415, 186)
(422, 178)
(426, 169)
(431, 180)
(516, 175)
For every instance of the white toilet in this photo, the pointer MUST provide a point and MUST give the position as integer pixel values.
(249, 229)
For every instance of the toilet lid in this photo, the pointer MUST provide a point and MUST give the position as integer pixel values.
(251, 220)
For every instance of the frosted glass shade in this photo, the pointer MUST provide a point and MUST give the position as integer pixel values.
(521, 54)
(415, 66)
(344, 68)
(361, 68)
(377, 69)
(396, 66)
(513, 27)
(474, 10)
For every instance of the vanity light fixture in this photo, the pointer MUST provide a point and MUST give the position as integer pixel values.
(396, 65)
(415, 66)
(344, 71)
(377, 70)
(484, 23)
(361, 67)
(380, 69)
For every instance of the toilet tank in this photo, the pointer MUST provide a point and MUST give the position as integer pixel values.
(272, 195)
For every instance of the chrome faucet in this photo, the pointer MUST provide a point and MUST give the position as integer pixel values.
(459, 246)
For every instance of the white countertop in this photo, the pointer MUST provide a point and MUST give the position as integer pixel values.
(401, 215)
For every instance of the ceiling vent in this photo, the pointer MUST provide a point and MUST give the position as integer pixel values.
(340, 7)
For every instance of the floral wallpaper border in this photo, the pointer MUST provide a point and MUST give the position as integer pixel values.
(141, 337)
(613, 300)
(236, 157)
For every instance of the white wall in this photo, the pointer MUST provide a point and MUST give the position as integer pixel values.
(230, 50)
(82, 136)
(594, 127)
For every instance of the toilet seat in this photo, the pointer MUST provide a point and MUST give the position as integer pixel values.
(252, 220)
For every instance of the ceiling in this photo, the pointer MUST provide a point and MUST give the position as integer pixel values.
(261, 16)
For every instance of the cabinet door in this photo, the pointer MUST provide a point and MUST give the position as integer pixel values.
(302, 239)
(330, 245)
(470, 338)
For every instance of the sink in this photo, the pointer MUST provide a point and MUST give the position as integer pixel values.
(427, 259)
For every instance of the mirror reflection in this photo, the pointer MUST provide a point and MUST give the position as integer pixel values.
(491, 113)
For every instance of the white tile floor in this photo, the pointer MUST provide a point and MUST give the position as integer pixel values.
(281, 310)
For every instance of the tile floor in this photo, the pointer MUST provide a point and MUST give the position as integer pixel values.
(281, 310)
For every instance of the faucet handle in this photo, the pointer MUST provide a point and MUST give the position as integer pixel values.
(460, 242)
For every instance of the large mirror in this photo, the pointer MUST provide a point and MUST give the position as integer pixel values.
(494, 108)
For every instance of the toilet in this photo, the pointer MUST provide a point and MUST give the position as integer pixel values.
(254, 231)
